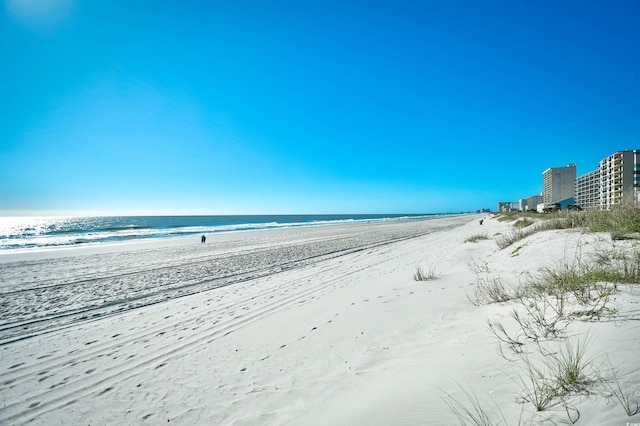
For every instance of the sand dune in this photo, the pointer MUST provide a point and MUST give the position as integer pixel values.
(311, 326)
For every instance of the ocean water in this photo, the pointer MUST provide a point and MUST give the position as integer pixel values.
(33, 232)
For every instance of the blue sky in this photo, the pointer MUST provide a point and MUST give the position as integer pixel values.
(314, 106)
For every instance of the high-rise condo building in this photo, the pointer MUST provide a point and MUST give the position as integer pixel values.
(558, 183)
(620, 178)
(588, 190)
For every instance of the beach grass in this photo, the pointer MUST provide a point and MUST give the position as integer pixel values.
(540, 316)
(631, 407)
(549, 379)
(571, 369)
(621, 222)
(537, 387)
(504, 241)
(551, 367)
(490, 290)
(474, 412)
(476, 237)
(425, 274)
(523, 223)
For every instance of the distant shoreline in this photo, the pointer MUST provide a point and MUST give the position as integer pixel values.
(28, 233)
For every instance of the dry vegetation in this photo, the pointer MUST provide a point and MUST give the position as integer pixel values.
(622, 222)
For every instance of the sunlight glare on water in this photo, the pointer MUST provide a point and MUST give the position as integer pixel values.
(39, 231)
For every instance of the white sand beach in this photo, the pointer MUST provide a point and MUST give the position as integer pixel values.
(307, 326)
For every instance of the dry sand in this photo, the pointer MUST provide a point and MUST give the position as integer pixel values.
(307, 326)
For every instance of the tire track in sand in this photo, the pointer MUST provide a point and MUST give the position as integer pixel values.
(32, 312)
(101, 382)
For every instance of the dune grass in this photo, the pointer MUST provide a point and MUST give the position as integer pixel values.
(545, 306)
(490, 290)
(631, 408)
(504, 241)
(551, 367)
(475, 412)
(425, 275)
(621, 222)
(476, 237)
(557, 295)
(536, 385)
(571, 369)
(557, 374)
(523, 223)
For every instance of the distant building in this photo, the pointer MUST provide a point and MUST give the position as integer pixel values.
(620, 178)
(522, 204)
(533, 201)
(559, 183)
(547, 207)
(507, 206)
(588, 190)
(616, 181)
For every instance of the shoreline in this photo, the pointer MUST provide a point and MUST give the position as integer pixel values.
(19, 234)
(12, 254)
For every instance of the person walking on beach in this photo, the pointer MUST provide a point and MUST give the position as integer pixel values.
(203, 239)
